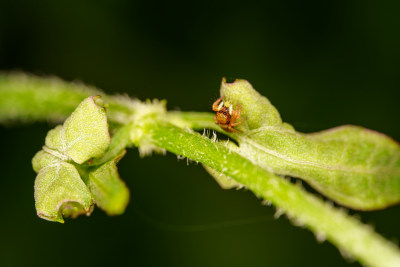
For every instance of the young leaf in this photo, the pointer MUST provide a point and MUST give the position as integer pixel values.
(83, 135)
(43, 159)
(56, 144)
(86, 131)
(59, 190)
(257, 108)
(109, 191)
(354, 166)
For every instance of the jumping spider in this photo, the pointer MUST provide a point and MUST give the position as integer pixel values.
(225, 116)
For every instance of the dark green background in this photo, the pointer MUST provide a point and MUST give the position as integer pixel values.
(321, 63)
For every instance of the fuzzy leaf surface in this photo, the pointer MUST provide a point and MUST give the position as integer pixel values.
(354, 166)
(59, 189)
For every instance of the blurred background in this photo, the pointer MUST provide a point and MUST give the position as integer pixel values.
(321, 63)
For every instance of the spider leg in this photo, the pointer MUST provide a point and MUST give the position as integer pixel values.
(237, 112)
(232, 129)
(236, 115)
(215, 106)
(237, 123)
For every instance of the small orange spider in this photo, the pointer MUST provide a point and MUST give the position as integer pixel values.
(225, 116)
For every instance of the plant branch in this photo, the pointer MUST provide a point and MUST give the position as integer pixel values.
(25, 98)
(304, 209)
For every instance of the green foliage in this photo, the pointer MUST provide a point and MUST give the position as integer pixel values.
(353, 166)
(60, 189)
(257, 108)
(108, 190)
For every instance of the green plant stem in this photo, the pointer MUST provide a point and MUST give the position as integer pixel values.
(25, 98)
(304, 209)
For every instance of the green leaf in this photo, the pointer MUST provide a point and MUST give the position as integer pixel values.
(86, 131)
(257, 108)
(109, 191)
(119, 141)
(354, 166)
(55, 139)
(250, 168)
(56, 144)
(84, 134)
(43, 159)
(59, 190)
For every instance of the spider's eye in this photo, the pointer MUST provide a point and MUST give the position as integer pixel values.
(220, 111)
(224, 113)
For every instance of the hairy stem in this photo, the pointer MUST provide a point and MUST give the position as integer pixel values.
(25, 98)
(346, 232)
